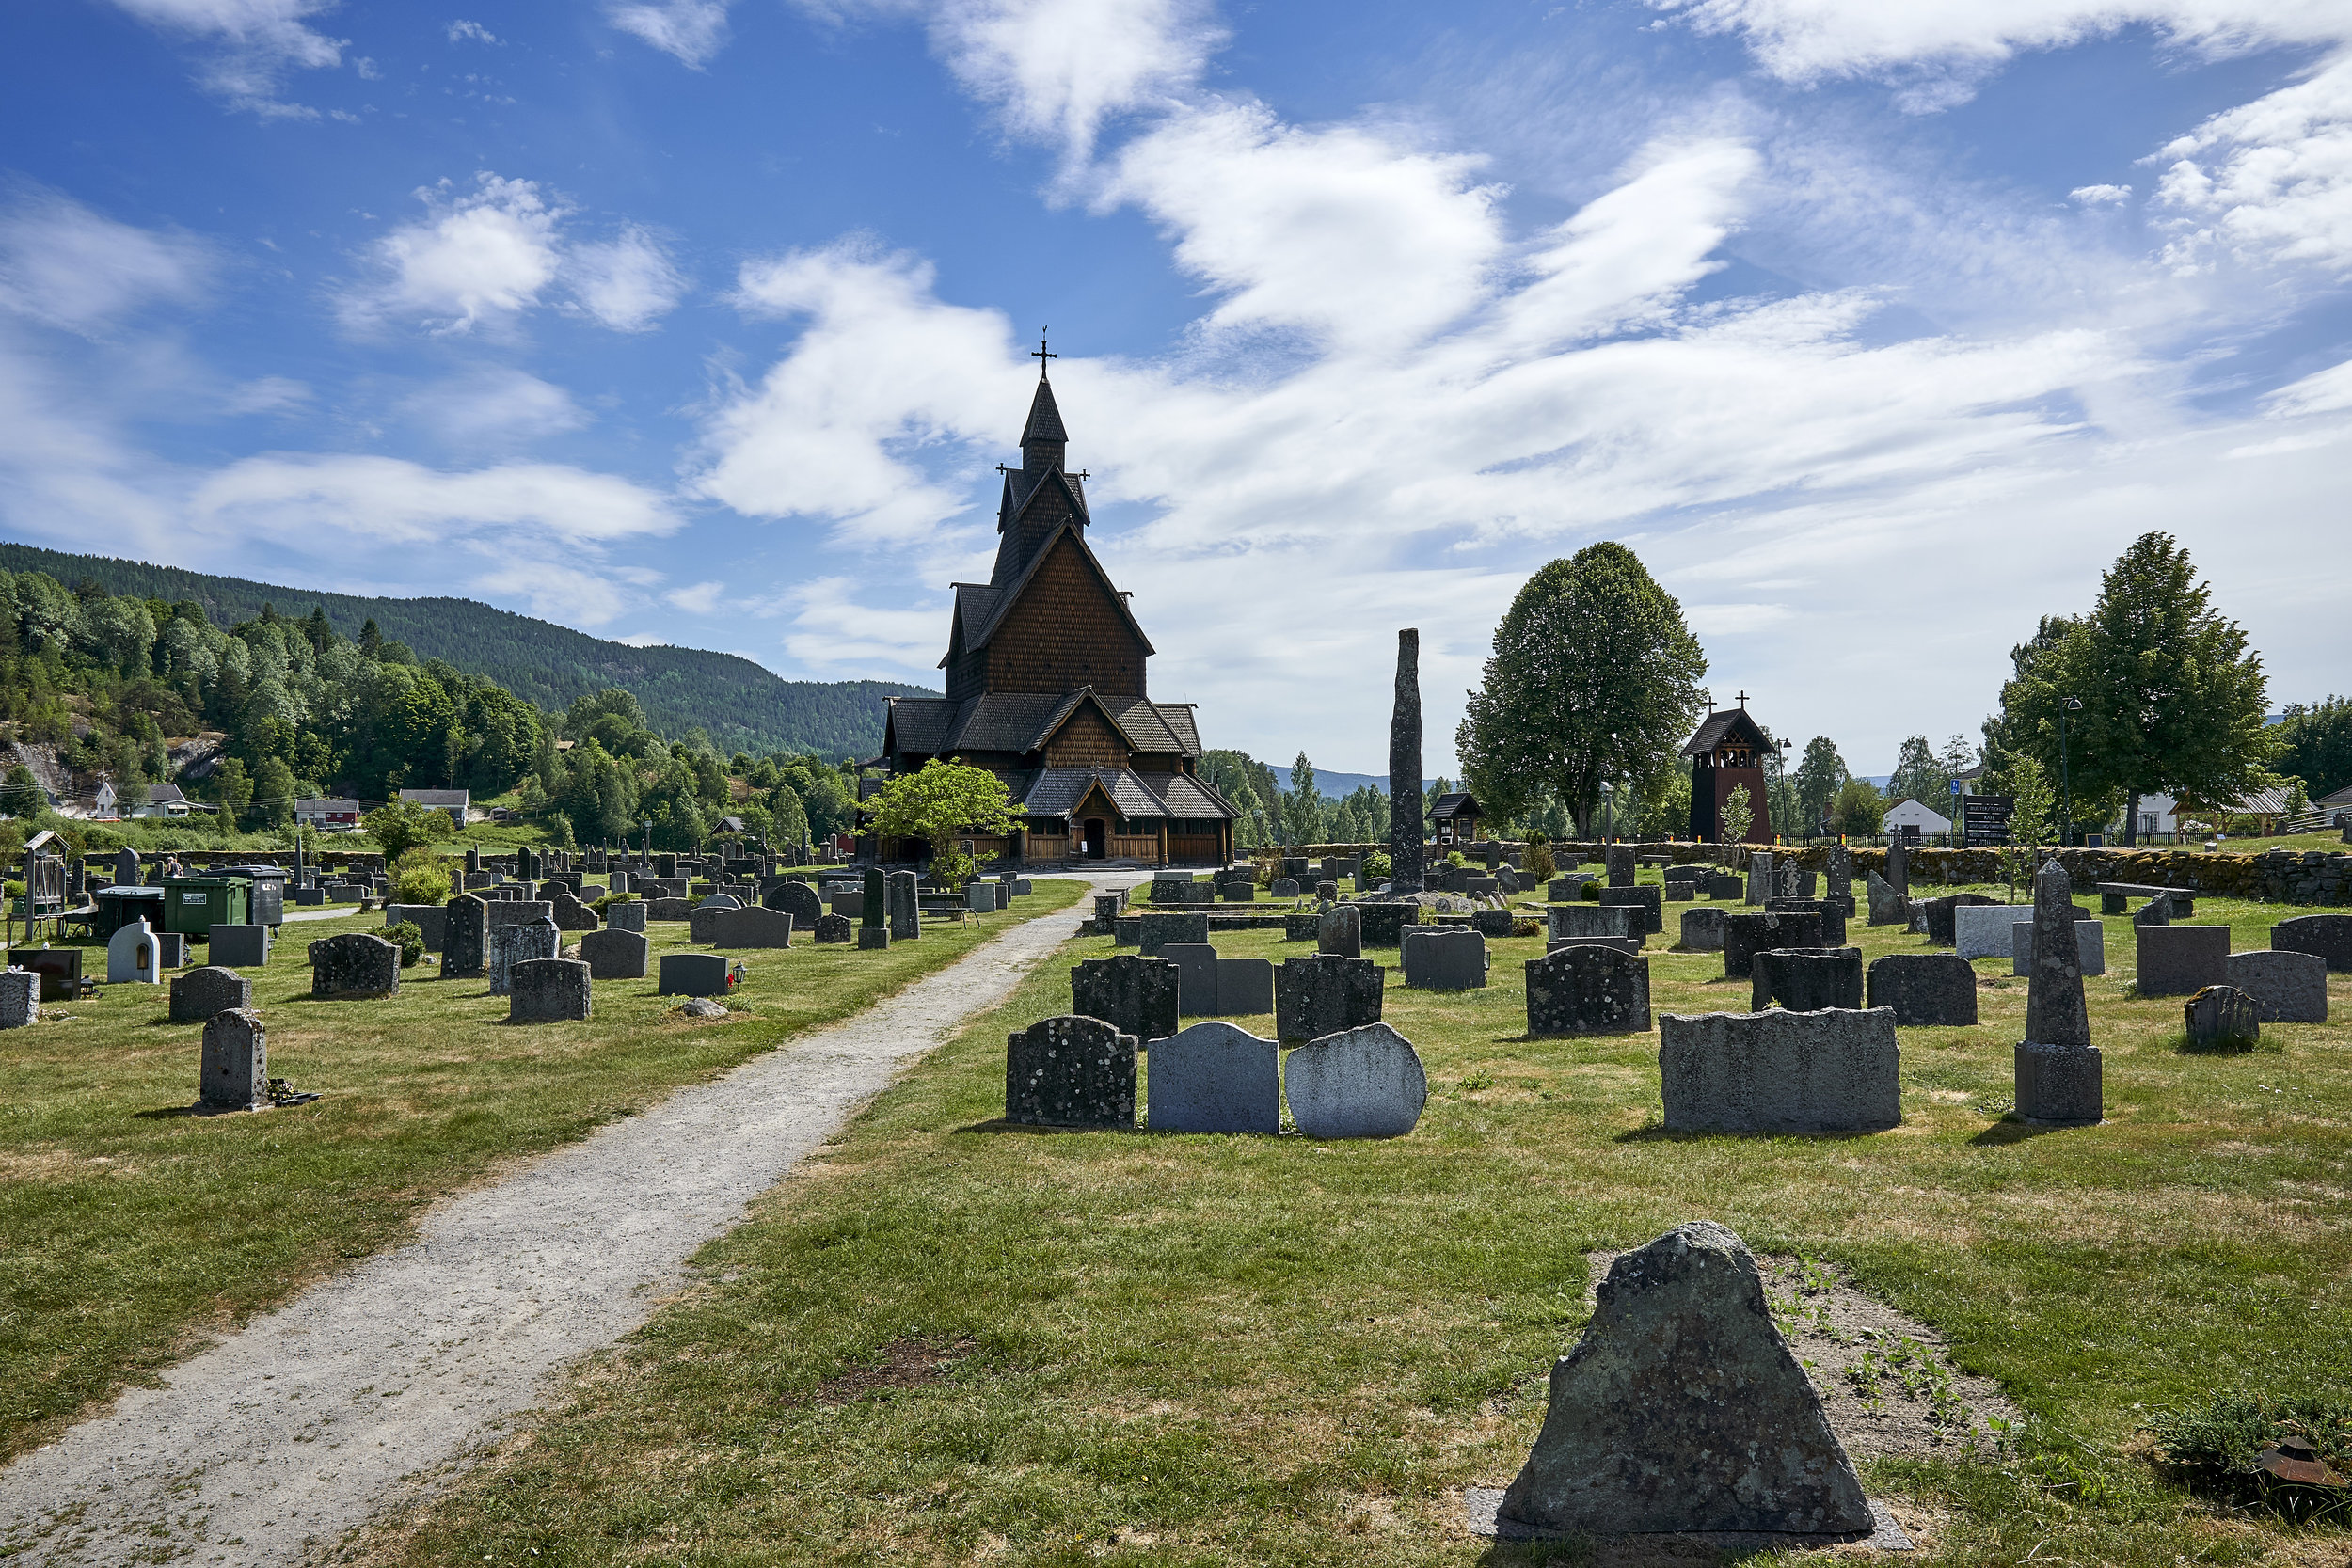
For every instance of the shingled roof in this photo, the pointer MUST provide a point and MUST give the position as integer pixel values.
(1720, 725)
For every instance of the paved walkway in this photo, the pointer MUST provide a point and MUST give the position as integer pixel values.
(293, 1432)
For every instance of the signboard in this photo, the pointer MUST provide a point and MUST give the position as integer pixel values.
(1984, 819)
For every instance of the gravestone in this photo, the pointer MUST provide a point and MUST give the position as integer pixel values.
(246, 946)
(1888, 907)
(906, 909)
(1241, 889)
(1837, 878)
(353, 965)
(171, 950)
(1681, 1410)
(1925, 991)
(1158, 929)
(1245, 987)
(756, 927)
(1443, 959)
(1364, 1082)
(850, 903)
(1746, 935)
(1324, 995)
(616, 880)
(833, 929)
(627, 917)
(1406, 852)
(570, 914)
(19, 998)
(1566, 888)
(2327, 935)
(1384, 923)
(201, 992)
(1720, 885)
(1898, 868)
(797, 899)
(235, 1073)
(1214, 1078)
(1703, 929)
(133, 956)
(1830, 1071)
(613, 953)
(1284, 888)
(1140, 997)
(668, 908)
(465, 939)
(874, 912)
(2222, 1018)
(1588, 990)
(1340, 931)
(431, 921)
(549, 991)
(1196, 981)
(126, 867)
(519, 943)
(697, 975)
(1681, 892)
(1983, 930)
(1327, 891)
(1943, 918)
(1106, 908)
(1833, 917)
(1071, 1072)
(2090, 940)
(1806, 980)
(1492, 923)
(1623, 922)
(1644, 898)
(2179, 960)
(1617, 859)
(2060, 1074)
(1759, 879)
(2287, 986)
(718, 903)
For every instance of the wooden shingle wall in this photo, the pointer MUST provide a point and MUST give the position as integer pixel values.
(1065, 631)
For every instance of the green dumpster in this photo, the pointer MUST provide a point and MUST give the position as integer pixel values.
(194, 905)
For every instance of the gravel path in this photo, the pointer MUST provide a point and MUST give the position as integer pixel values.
(283, 1438)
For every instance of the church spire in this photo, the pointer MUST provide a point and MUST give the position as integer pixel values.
(1043, 440)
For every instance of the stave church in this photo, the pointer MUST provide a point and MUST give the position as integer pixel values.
(1047, 687)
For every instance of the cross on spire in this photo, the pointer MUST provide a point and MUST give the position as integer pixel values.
(1041, 354)
(1744, 699)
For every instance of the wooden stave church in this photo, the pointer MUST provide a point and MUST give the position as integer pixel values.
(1725, 752)
(1046, 687)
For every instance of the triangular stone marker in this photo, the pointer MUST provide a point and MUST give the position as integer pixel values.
(1682, 1411)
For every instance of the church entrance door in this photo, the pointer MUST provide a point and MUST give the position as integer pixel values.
(1095, 838)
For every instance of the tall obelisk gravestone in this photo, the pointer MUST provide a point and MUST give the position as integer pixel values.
(2058, 1070)
(1405, 803)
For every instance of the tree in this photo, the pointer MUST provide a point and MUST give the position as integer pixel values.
(1919, 774)
(233, 788)
(1302, 805)
(1739, 815)
(939, 802)
(400, 826)
(1593, 677)
(1858, 809)
(273, 792)
(2028, 786)
(2317, 742)
(1820, 777)
(2173, 702)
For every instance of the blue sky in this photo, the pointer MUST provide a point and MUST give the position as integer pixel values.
(1877, 330)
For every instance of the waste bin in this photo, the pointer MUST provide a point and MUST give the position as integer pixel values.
(120, 905)
(265, 893)
(194, 905)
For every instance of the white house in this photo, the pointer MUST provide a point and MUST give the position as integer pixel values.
(162, 800)
(453, 801)
(103, 807)
(1912, 820)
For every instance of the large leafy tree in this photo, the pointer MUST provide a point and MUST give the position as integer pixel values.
(1593, 678)
(1821, 775)
(2317, 743)
(939, 802)
(2173, 700)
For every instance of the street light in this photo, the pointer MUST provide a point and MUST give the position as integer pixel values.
(2066, 775)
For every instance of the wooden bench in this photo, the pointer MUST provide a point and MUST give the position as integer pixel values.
(2114, 897)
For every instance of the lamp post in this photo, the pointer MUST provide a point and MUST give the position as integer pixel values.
(2066, 776)
(1608, 815)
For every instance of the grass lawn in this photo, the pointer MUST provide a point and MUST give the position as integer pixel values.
(129, 1229)
(952, 1341)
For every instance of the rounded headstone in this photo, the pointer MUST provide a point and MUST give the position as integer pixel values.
(1361, 1082)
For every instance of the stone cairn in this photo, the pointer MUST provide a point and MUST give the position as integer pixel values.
(2059, 1074)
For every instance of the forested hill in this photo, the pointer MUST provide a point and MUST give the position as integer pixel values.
(741, 706)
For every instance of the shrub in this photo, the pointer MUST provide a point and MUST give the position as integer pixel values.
(1376, 864)
(611, 898)
(1540, 865)
(2211, 1450)
(421, 877)
(409, 939)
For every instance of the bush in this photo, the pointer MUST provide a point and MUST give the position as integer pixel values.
(1540, 865)
(400, 826)
(2210, 1449)
(421, 877)
(409, 939)
(1376, 865)
(611, 898)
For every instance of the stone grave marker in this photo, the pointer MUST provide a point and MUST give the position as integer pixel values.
(465, 939)
(1243, 986)
(548, 990)
(1160, 928)
(1384, 923)
(431, 921)
(1831, 1071)
(1888, 907)
(570, 914)
(1214, 1078)
(1284, 888)
(1760, 885)
(1837, 878)
(833, 929)
(1071, 1072)
(1983, 930)
(1617, 859)
(755, 927)
(1588, 990)
(1492, 923)
(1138, 997)
(1680, 892)
(697, 975)
(1703, 929)
(799, 900)
(234, 1072)
(1364, 1082)
(1833, 917)
(2222, 1018)
(201, 992)
(2060, 1074)
(2091, 937)
(171, 950)
(1681, 1410)
(668, 908)
(519, 943)
(1644, 898)
(1441, 958)
(1746, 935)
(1943, 918)
(1324, 995)
(133, 956)
(1925, 991)
(1898, 868)
(242, 946)
(1196, 981)
(2327, 935)
(1720, 885)
(613, 953)
(354, 964)
(1566, 888)
(1327, 891)
(1340, 930)
(906, 908)
(2287, 986)
(627, 917)
(1806, 980)
(2179, 960)
(1621, 922)
(19, 998)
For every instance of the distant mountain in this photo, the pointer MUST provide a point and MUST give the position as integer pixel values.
(741, 706)
(1331, 785)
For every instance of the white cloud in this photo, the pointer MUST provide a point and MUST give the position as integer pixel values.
(482, 258)
(252, 44)
(65, 265)
(495, 405)
(643, 640)
(2270, 179)
(833, 632)
(699, 598)
(459, 32)
(1058, 69)
(304, 499)
(692, 30)
(556, 591)
(2330, 391)
(628, 283)
(2101, 195)
(268, 394)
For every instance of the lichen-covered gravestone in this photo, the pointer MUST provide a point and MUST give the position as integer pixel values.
(519, 944)
(1833, 916)
(1071, 1072)
(630, 916)
(1588, 990)
(1925, 991)
(1746, 935)
(1340, 931)
(1760, 884)
(2060, 1074)
(1681, 1410)
(235, 1070)
(1806, 979)
(1159, 930)
(2327, 935)
(1445, 958)
(1214, 1078)
(1617, 860)
(1323, 995)
(1835, 1071)
(613, 953)
(19, 998)
(1136, 996)
(1643, 898)
(1888, 907)
(1361, 1082)
(906, 906)
(353, 965)
(201, 992)
(2287, 986)
(2222, 1018)
(831, 929)
(548, 990)
(465, 939)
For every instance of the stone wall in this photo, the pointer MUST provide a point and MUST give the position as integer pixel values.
(2275, 876)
